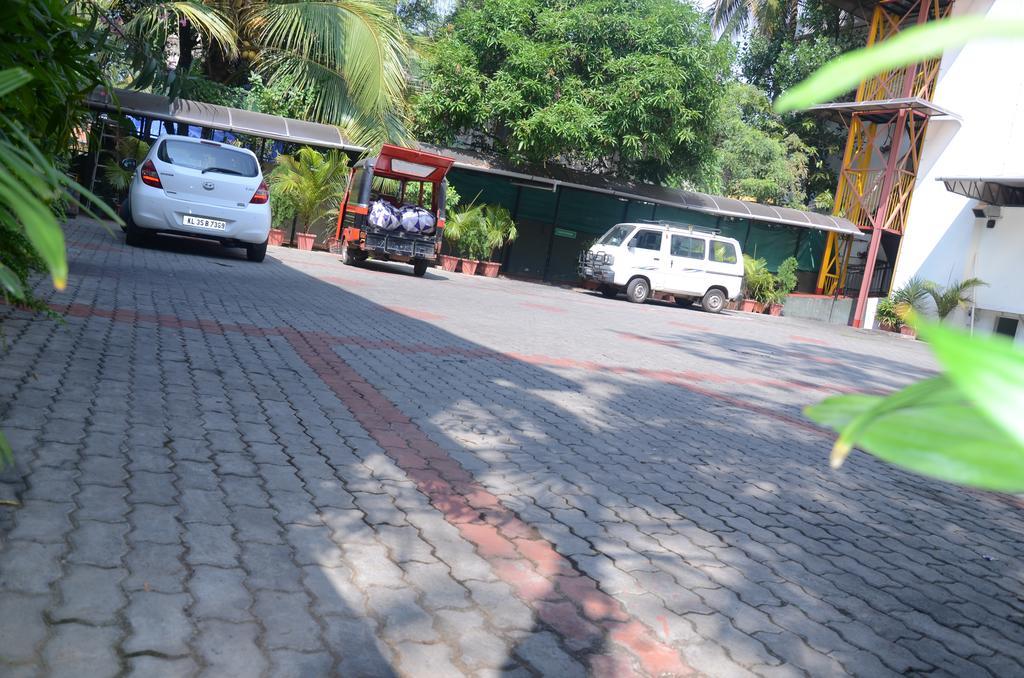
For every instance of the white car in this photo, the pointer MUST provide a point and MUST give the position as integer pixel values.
(689, 263)
(203, 189)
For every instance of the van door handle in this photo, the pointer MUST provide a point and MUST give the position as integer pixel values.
(657, 259)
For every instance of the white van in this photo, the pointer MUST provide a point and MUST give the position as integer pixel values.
(689, 263)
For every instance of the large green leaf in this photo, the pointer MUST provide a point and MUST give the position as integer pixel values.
(988, 371)
(10, 283)
(26, 185)
(930, 428)
(910, 46)
(11, 79)
(6, 453)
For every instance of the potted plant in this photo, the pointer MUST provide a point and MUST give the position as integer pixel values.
(891, 310)
(758, 283)
(499, 230)
(888, 316)
(310, 181)
(783, 282)
(465, 234)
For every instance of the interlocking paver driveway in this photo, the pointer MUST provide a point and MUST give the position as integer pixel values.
(299, 468)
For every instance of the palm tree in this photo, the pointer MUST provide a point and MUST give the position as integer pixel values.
(499, 228)
(910, 295)
(313, 182)
(948, 298)
(352, 53)
(769, 17)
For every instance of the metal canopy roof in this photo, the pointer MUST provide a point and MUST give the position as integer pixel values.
(554, 176)
(864, 8)
(887, 108)
(1004, 191)
(235, 120)
(240, 121)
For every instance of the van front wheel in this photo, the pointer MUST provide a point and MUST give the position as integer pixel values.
(638, 290)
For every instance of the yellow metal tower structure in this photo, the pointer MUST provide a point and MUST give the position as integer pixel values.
(887, 124)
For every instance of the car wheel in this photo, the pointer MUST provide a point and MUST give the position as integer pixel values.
(609, 292)
(256, 252)
(419, 268)
(683, 302)
(638, 290)
(126, 215)
(713, 301)
(133, 235)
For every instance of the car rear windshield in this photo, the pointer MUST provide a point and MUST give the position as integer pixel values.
(617, 235)
(208, 158)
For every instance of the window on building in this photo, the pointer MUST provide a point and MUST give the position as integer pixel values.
(647, 240)
(685, 246)
(723, 252)
(1007, 326)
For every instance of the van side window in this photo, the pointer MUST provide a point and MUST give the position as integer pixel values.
(723, 252)
(647, 240)
(685, 246)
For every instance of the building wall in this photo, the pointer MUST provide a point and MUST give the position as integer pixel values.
(555, 226)
(983, 83)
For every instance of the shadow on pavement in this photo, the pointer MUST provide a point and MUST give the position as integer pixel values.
(717, 527)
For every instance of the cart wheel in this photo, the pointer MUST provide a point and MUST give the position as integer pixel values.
(348, 256)
(419, 268)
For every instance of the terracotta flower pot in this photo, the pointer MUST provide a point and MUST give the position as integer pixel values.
(276, 236)
(774, 309)
(752, 306)
(449, 263)
(334, 246)
(490, 268)
(469, 266)
(908, 331)
(306, 240)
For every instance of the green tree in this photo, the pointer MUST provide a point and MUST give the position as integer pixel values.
(611, 86)
(351, 54)
(758, 158)
(776, 58)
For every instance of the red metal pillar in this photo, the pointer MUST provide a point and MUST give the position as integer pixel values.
(888, 181)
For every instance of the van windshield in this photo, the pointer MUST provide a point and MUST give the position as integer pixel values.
(617, 235)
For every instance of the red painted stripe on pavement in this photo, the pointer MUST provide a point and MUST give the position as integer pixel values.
(413, 313)
(684, 380)
(808, 340)
(542, 307)
(566, 600)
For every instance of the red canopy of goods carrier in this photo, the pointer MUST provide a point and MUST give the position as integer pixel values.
(396, 162)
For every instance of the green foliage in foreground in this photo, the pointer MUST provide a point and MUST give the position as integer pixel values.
(964, 426)
(912, 45)
(629, 87)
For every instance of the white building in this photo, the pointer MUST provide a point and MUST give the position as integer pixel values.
(968, 165)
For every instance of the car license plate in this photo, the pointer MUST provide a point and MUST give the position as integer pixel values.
(204, 222)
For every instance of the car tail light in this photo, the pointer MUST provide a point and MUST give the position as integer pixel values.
(149, 175)
(262, 195)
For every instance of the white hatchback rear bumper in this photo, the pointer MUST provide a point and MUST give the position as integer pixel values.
(153, 209)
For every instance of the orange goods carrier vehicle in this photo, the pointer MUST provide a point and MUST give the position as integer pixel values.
(394, 208)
